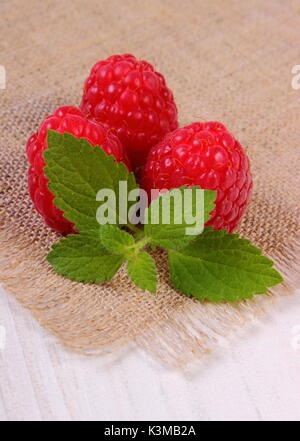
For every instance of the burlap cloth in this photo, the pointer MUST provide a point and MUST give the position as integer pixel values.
(225, 60)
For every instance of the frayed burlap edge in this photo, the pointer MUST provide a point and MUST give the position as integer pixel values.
(176, 338)
(230, 64)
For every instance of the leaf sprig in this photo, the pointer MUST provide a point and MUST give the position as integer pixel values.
(212, 265)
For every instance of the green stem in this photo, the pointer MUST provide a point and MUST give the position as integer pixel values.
(134, 228)
(140, 244)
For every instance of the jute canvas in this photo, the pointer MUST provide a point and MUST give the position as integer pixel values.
(224, 60)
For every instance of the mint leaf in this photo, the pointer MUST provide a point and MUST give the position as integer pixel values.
(116, 240)
(77, 171)
(214, 265)
(143, 272)
(82, 257)
(174, 234)
(221, 267)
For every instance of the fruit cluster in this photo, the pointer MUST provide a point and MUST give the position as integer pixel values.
(129, 111)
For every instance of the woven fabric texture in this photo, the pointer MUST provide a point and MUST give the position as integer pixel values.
(229, 61)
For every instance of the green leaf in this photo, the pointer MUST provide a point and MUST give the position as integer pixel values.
(177, 232)
(82, 257)
(116, 240)
(214, 265)
(221, 267)
(77, 171)
(143, 272)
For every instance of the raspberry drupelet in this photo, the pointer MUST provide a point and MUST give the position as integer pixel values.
(203, 154)
(65, 119)
(132, 98)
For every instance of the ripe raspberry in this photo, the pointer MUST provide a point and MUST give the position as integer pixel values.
(65, 119)
(203, 154)
(129, 96)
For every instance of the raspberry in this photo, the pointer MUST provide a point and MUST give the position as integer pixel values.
(65, 119)
(129, 96)
(203, 154)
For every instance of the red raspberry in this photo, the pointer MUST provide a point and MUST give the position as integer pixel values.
(65, 119)
(129, 96)
(203, 154)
